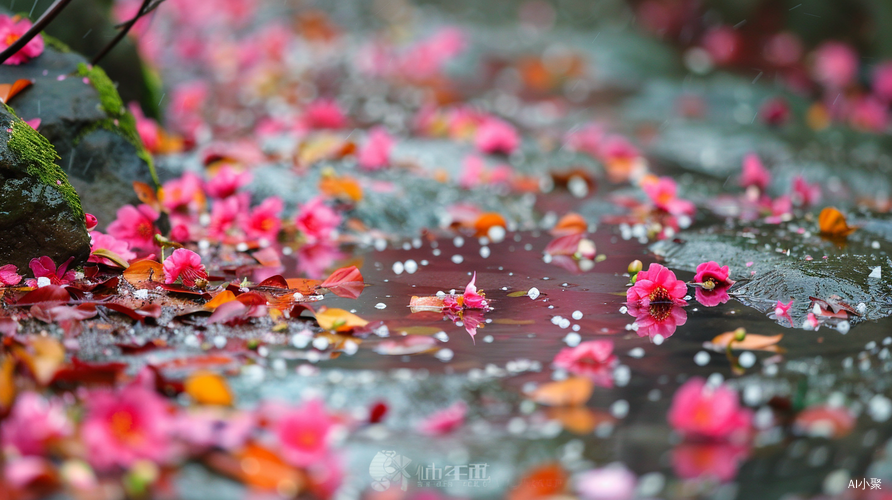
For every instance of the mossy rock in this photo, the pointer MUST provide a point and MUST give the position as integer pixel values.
(40, 213)
(83, 116)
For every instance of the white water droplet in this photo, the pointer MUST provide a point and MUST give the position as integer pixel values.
(533, 293)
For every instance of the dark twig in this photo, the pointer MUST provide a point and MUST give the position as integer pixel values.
(41, 23)
(148, 11)
(121, 34)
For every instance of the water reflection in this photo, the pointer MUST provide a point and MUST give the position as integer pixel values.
(658, 318)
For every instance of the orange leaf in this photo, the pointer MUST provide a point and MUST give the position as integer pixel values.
(579, 419)
(9, 90)
(544, 481)
(44, 358)
(486, 221)
(751, 342)
(303, 285)
(144, 274)
(220, 299)
(338, 319)
(429, 303)
(7, 384)
(344, 187)
(833, 223)
(208, 388)
(572, 223)
(569, 392)
(259, 467)
(147, 195)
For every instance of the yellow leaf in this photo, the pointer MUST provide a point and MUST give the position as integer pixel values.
(108, 254)
(44, 358)
(751, 342)
(833, 223)
(144, 274)
(338, 320)
(208, 388)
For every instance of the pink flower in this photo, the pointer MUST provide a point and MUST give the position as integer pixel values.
(123, 427)
(775, 111)
(33, 123)
(659, 318)
(711, 275)
(44, 267)
(180, 233)
(207, 427)
(304, 433)
(179, 193)
(869, 114)
(324, 114)
(184, 264)
(186, 107)
(754, 173)
(136, 226)
(224, 214)
(783, 309)
(316, 220)
(33, 422)
(11, 29)
(714, 297)
(314, 258)
(657, 285)
(805, 194)
(472, 171)
(836, 64)
(586, 140)
(226, 182)
(496, 136)
(375, 153)
(882, 81)
(9, 275)
(444, 421)
(112, 244)
(663, 193)
(472, 299)
(622, 159)
(783, 49)
(264, 222)
(612, 482)
(708, 412)
(147, 128)
(425, 59)
(90, 221)
(593, 359)
(723, 44)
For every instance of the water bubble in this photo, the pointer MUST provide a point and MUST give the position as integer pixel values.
(444, 355)
(321, 343)
(484, 252)
(573, 339)
(380, 305)
(380, 244)
(637, 353)
(620, 408)
(411, 266)
(398, 267)
(577, 315)
(843, 327)
(701, 358)
(747, 359)
(533, 294)
(441, 336)
(496, 234)
(657, 340)
(458, 259)
(458, 241)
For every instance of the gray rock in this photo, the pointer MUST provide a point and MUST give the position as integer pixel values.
(40, 213)
(84, 118)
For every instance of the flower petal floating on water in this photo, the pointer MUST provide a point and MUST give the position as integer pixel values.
(657, 284)
(593, 359)
(444, 421)
(709, 412)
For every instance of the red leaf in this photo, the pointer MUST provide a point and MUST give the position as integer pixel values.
(345, 282)
(46, 295)
(79, 372)
(8, 326)
(276, 281)
(564, 245)
(228, 311)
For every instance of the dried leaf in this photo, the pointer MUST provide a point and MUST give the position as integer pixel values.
(7, 384)
(833, 305)
(486, 221)
(344, 187)
(43, 357)
(569, 392)
(208, 388)
(258, 467)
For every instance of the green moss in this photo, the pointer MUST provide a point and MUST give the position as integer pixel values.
(39, 156)
(120, 120)
(56, 43)
(108, 93)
